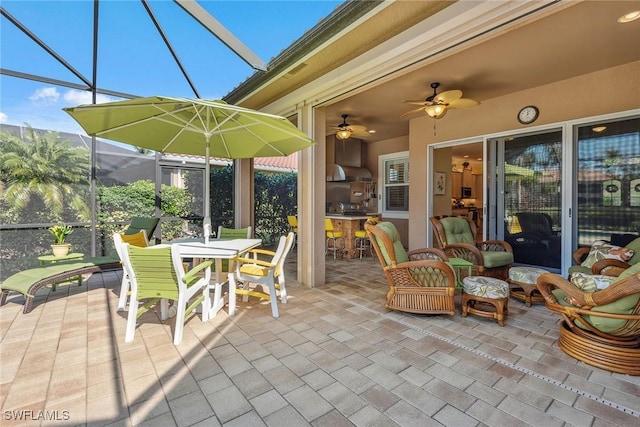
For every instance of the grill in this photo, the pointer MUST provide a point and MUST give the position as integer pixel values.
(351, 209)
(355, 213)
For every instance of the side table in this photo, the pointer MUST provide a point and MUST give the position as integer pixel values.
(458, 264)
(50, 259)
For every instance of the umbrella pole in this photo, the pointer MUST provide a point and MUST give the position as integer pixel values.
(206, 224)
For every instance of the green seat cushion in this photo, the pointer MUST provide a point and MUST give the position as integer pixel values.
(494, 259)
(631, 271)
(579, 269)
(624, 305)
(457, 230)
(392, 232)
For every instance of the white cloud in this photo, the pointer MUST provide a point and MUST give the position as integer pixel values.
(4, 118)
(79, 97)
(45, 95)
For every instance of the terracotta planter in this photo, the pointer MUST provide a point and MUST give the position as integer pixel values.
(61, 250)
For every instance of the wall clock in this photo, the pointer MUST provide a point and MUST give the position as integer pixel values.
(528, 114)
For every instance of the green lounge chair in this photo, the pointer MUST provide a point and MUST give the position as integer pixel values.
(28, 282)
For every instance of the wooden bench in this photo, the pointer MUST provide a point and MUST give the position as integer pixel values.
(28, 282)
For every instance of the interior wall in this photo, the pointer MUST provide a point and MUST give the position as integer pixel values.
(376, 149)
(612, 90)
(442, 163)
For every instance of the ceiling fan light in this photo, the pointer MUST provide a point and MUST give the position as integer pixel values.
(436, 111)
(343, 134)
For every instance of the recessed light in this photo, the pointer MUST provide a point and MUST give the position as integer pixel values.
(466, 156)
(628, 17)
(599, 129)
(371, 131)
(479, 159)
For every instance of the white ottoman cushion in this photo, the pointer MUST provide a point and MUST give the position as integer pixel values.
(486, 287)
(527, 275)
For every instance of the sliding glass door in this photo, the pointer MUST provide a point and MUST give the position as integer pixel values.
(529, 184)
(608, 182)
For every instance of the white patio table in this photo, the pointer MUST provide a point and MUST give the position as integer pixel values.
(216, 249)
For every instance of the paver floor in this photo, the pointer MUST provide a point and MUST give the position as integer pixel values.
(334, 357)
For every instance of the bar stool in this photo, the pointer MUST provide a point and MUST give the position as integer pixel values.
(361, 243)
(361, 240)
(335, 239)
(293, 226)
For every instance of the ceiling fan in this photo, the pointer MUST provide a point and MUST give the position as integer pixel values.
(437, 104)
(344, 130)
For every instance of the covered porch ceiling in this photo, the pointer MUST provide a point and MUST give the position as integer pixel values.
(549, 41)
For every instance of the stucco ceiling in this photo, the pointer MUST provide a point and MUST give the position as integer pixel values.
(583, 37)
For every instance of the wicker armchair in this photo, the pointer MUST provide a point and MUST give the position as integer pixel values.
(456, 236)
(607, 265)
(600, 328)
(420, 281)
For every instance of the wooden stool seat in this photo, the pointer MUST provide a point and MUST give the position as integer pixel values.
(522, 284)
(485, 297)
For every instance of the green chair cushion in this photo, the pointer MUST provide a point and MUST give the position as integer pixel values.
(624, 305)
(494, 259)
(392, 232)
(631, 271)
(141, 223)
(634, 245)
(579, 269)
(457, 230)
(233, 233)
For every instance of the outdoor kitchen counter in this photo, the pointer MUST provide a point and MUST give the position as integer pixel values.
(349, 224)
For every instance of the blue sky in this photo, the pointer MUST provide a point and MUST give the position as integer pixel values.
(133, 57)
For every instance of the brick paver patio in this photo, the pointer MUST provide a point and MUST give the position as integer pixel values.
(335, 357)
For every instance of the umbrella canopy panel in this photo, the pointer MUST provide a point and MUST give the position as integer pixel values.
(185, 126)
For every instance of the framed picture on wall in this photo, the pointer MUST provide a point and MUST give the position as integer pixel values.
(439, 183)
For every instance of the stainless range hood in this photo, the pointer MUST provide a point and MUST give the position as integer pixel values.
(337, 172)
(347, 162)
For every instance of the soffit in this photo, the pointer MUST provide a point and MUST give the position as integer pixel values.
(364, 36)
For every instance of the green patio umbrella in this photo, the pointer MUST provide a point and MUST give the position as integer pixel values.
(192, 126)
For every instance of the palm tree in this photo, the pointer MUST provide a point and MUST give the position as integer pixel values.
(42, 168)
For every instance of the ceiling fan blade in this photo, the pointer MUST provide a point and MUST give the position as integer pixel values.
(361, 134)
(463, 103)
(358, 128)
(417, 102)
(412, 111)
(448, 96)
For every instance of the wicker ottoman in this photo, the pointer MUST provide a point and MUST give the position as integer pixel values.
(522, 284)
(486, 297)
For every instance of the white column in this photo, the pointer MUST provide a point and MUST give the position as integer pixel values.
(311, 196)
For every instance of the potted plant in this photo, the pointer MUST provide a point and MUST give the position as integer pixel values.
(60, 233)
